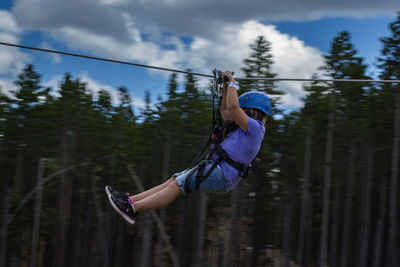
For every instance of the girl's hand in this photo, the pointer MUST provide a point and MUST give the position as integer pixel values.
(227, 76)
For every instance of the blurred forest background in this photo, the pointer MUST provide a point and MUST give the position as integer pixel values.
(325, 194)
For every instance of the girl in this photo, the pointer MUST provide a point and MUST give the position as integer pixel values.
(240, 147)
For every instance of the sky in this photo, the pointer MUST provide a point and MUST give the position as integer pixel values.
(182, 34)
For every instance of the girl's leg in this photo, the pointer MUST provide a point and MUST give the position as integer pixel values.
(151, 191)
(159, 199)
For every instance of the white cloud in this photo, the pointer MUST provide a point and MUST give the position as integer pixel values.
(12, 60)
(292, 58)
(225, 50)
(95, 87)
(53, 83)
(7, 86)
(8, 23)
(183, 17)
(220, 33)
(139, 49)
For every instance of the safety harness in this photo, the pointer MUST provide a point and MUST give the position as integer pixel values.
(213, 144)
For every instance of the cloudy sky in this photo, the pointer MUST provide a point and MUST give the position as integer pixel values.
(181, 34)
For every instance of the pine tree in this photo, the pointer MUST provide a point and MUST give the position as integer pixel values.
(125, 106)
(148, 112)
(343, 63)
(390, 62)
(314, 116)
(71, 106)
(4, 113)
(259, 64)
(29, 90)
(26, 99)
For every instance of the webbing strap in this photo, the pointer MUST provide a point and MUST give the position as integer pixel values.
(200, 168)
(200, 175)
(225, 157)
(186, 186)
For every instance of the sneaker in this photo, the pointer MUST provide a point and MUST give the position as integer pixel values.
(122, 204)
(109, 191)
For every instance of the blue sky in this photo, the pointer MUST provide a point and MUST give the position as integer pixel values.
(181, 34)
(365, 33)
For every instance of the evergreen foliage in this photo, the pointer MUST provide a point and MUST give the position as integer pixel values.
(277, 212)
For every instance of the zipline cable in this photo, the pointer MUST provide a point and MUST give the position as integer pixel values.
(103, 59)
(194, 73)
(316, 80)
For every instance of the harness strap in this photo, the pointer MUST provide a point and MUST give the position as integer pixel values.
(200, 175)
(225, 157)
(200, 168)
(186, 186)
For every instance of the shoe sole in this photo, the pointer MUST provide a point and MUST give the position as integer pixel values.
(124, 215)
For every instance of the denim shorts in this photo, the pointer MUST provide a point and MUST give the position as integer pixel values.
(215, 183)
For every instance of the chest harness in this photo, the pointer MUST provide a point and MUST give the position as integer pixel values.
(213, 146)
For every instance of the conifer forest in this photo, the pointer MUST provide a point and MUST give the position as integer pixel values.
(326, 193)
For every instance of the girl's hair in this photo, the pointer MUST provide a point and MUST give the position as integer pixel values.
(255, 114)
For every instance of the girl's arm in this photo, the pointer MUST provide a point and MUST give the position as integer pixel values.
(231, 105)
(224, 109)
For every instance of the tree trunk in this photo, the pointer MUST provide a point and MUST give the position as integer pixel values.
(80, 236)
(147, 241)
(221, 254)
(380, 225)
(36, 223)
(164, 175)
(18, 169)
(65, 202)
(202, 230)
(327, 182)
(234, 244)
(234, 231)
(158, 259)
(392, 250)
(305, 196)
(118, 241)
(333, 254)
(344, 255)
(366, 210)
(100, 225)
(286, 233)
(160, 225)
(309, 238)
(4, 230)
(116, 236)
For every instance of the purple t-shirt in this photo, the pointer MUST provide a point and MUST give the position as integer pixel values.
(242, 147)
